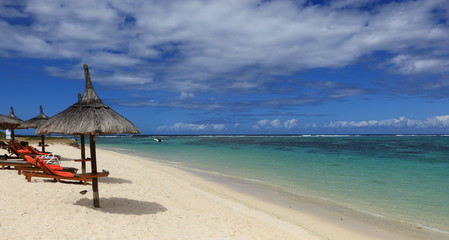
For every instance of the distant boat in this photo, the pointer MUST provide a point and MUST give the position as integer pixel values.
(158, 140)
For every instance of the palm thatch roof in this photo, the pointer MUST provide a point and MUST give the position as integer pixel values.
(36, 121)
(7, 122)
(13, 116)
(88, 116)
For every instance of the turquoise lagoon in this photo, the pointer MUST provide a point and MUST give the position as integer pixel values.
(402, 178)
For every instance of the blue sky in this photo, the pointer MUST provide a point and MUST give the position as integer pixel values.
(234, 66)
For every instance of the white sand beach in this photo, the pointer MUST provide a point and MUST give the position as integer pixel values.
(143, 199)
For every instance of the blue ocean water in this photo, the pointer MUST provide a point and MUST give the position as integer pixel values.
(399, 177)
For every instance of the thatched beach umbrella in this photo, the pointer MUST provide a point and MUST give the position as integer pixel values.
(8, 123)
(35, 123)
(89, 116)
(13, 116)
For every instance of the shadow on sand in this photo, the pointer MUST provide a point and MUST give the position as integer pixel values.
(106, 180)
(113, 180)
(123, 206)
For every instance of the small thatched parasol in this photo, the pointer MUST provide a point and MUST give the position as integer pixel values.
(8, 123)
(89, 116)
(13, 116)
(35, 123)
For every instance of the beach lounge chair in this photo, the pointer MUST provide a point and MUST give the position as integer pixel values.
(15, 148)
(27, 148)
(3, 145)
(29, 163)
(11, 151)
(16, 164)
(46, 171)
(35, 151)
(36, 166)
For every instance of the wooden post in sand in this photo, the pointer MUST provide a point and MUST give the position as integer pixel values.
(83, 154)
(43, 142)
(12, 135)
(93, 159)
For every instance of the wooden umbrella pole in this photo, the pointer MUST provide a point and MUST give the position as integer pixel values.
(12, 134)
(83, 154)
(43, 143)
(94, 171)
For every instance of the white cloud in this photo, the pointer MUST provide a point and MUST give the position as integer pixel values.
(348, 3)
(186, 95)
(261, 124)
(310, 125)
(196, 45)
(111, 60)
(438, 121)
(9, 9)
(275, 124)
(289, 124)
(407, 64)
(342, 93)
(402, 122)
(192, 127)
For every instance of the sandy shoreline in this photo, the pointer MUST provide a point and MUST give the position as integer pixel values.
(143, 199)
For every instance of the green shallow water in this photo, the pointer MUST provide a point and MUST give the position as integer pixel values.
(400, 177)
